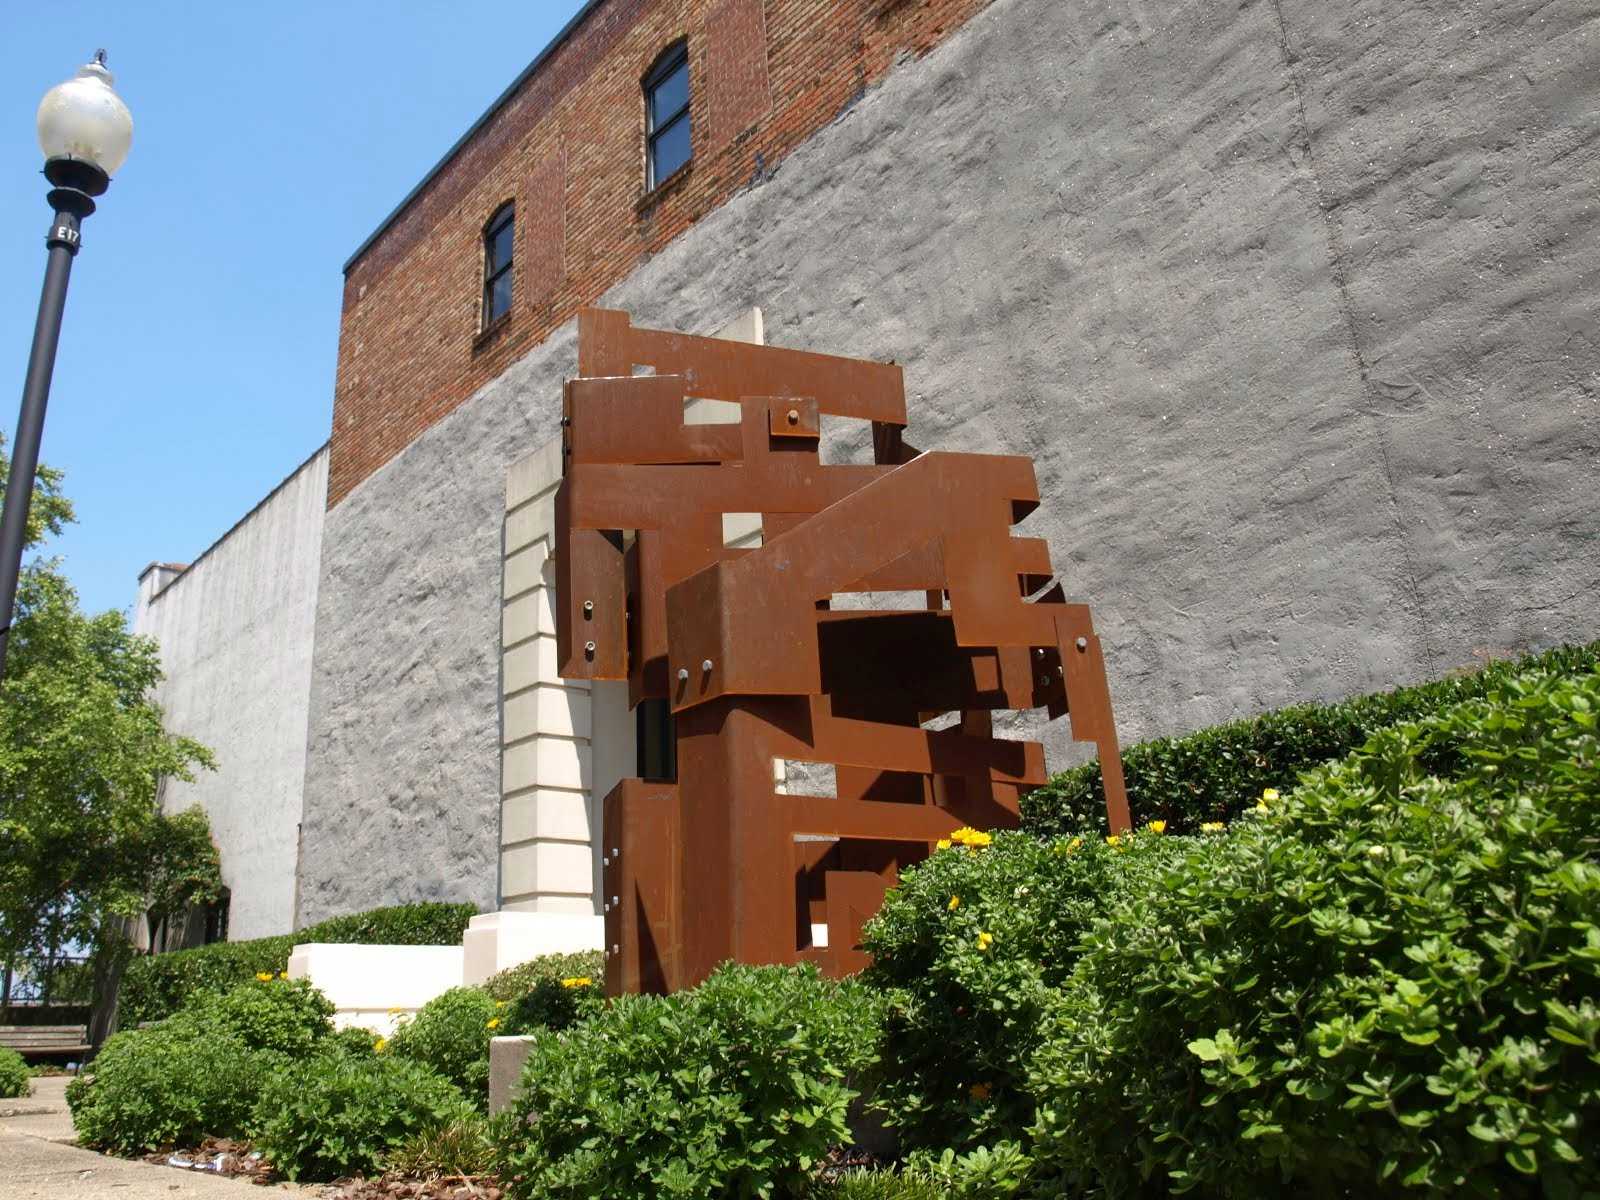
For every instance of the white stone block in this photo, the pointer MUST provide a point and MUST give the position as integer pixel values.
(563, 712)
(545, 813)
(748, 326)
(373, 979)
(698, 410)
(522, 568)
(535, 519)
(538, 472)
(540, 868)
(533, 662)
(741, 529)
(528, 616)
(496, 941)
(545, 761)
(563, 905)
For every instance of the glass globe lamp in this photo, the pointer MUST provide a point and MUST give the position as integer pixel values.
(84, 129)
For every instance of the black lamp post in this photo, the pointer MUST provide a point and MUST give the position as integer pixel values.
(84, 131)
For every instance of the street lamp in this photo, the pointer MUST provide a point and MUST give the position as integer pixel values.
(84, 131)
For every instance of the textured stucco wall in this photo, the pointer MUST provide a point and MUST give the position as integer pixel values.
(1292, 303)
(235, 632)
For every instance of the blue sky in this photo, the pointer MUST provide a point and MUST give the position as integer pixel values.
(197, 358)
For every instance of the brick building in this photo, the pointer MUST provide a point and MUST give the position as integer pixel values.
(1291, 304)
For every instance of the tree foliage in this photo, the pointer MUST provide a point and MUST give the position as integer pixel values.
(82, 754)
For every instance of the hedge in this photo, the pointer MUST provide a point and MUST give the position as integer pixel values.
(155, 987)
(1216, 773)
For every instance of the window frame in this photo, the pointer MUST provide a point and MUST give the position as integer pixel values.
(503, 216)
(666, 65)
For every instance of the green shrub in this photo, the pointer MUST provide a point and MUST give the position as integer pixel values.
(1389, 983)
(964, 1012)
(336, 1114)
(171, 1085)
(515, 982)
(1217, 773)
(13, 1074)
(450, 1036)
(358, 1041)
(875, 1185)
(289, 1016)
(987, 1173)
(457, 1147)
(156, 986)
(734, 1088)
(555, 1004)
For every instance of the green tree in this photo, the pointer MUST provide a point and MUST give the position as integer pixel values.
(83, 843)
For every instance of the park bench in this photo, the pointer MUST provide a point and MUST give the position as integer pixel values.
(46, 1041)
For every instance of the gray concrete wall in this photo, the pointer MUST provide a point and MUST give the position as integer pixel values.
(235, 631)
(1291, 302)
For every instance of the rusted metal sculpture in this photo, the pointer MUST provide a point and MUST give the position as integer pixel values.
(759, 666)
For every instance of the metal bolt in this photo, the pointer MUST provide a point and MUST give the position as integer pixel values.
(794, 416)
(588, 608)
(604, 861)
(1044, 681)
(683, 674)
(705, 666)
(608, 906)
(614, 900)
(616, 949)
(1038, 651)
(588, 648)
(1082, 644)
(615, 853)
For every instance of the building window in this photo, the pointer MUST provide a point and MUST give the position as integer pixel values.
(498, 235)
(666, 115)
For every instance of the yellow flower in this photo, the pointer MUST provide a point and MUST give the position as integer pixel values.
(283, 974)
(1113, 839)
(955, 903)
(1269, 795)
(1212, 827)
(577, 981)
(1157, 827)
(970, 837)
(1261, 806)
(979, 1091)
(380, 1045)
(396, 1011)
(985, 940)
(499, 1003)
(943, 844)
(494, 1023)
(264, 976)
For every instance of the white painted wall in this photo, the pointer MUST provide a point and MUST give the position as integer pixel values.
(235, 631)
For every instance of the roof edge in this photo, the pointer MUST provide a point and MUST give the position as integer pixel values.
(234, 528)
(488, 114)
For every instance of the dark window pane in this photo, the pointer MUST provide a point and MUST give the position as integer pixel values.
(499, 250)
(499, 297)
(669, 95)
(669, 150)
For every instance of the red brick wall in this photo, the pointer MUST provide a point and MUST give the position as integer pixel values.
(569, 149)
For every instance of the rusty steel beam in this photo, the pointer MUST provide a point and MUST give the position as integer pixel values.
(762, 668)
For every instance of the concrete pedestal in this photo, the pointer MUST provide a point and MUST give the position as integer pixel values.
(495, 941)
(373, 986)
(507, 1057)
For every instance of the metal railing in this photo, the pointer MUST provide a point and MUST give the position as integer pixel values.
(39, 982)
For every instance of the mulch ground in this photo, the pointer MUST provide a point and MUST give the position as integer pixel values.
(409, 1187)
(239, 1160)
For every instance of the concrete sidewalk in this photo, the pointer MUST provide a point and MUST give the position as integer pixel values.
(38, 1160)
